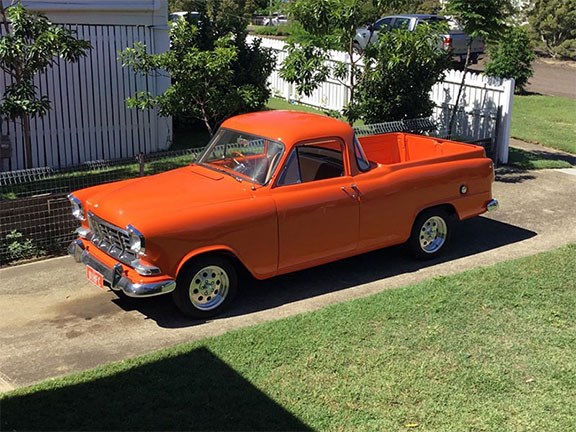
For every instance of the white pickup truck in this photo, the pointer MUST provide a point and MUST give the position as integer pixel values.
(456, 40)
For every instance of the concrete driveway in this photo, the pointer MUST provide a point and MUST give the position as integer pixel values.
(53, 322)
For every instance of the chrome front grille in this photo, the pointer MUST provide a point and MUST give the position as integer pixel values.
(110, 239)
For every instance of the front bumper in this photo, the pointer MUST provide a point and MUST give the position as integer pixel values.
(113, 277)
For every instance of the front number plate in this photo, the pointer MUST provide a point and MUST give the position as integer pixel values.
(95, 277)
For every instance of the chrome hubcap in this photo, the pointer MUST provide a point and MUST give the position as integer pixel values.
(433, 234)
(209, 288)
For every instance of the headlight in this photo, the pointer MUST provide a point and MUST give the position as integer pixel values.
(137, 244)
(77, 208)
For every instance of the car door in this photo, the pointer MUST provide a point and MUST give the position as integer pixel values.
(318, 214)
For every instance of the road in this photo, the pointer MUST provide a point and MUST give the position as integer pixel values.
(552, 78)
(55, 323)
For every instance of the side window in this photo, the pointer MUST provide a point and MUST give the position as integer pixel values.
(314, 161)
(383, 24)
(401, 23)
(290, 173)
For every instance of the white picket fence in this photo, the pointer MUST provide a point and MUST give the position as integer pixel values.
(484, 110)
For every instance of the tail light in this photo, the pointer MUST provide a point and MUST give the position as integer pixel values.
(447, 42)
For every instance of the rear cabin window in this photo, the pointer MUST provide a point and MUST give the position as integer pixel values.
(312, 162)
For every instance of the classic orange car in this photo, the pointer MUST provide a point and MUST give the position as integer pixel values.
(275, 192)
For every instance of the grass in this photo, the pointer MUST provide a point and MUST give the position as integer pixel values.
(283, 104)
(528, 160)
(546, 120)
(491, 349)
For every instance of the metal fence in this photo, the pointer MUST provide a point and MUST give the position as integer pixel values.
(35, 218)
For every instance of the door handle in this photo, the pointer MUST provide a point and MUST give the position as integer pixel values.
(355, 191)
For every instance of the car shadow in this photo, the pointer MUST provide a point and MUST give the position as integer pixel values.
(470, 237)
(511, 174)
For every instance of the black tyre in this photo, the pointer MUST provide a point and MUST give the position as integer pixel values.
(430, 234)
(206, 287)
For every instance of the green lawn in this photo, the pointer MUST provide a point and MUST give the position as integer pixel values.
(487, 350)
(546, 120)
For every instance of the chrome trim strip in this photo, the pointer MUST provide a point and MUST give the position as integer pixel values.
(144, 270)
(83, 232)
(75, 249)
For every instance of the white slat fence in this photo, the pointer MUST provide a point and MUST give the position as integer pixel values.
(89, 119)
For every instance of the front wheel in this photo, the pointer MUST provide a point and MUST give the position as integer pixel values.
(205, 287)
(430, 234)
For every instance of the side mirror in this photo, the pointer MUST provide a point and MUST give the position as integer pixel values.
(370, 27)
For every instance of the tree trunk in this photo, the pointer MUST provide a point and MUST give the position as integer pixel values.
(466, 65)
(352, 74)
(26, 137)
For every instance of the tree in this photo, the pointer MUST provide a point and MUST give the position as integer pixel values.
(29, 47)
(213, 76)
(326, 25)
(424, 6)
(554, 22)
(484, 19)
(511, 57)
(397, 79)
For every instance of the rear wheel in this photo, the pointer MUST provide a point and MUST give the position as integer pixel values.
(430, 234)
(205, 287)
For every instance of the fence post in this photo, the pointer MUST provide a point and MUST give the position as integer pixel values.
(503, 138)
(141, 161)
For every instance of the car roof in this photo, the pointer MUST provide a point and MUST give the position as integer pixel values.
(289, 127)
(419, 16)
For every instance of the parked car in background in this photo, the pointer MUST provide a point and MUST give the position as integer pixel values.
(175, 16)
(275, 192)
(275, 19)
(455, 40)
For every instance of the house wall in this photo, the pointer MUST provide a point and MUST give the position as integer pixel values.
(89, 119)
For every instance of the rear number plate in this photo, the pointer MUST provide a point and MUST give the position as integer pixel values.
(95, 277)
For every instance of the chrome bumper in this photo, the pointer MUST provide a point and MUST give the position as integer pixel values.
(492, 205)
(113, 276)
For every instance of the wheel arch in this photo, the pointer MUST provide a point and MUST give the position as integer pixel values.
(448, 208)
(221, 250)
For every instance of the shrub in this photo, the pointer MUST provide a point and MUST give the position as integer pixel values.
(399, 75)
(215, 72)
(20, 248)
(511, 57)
